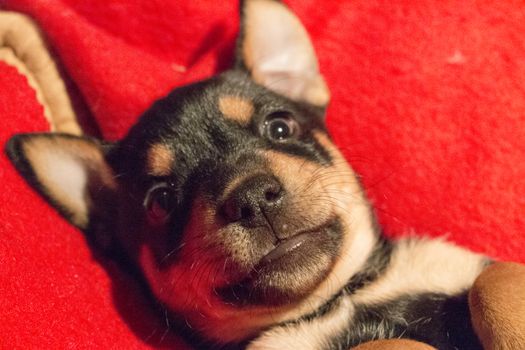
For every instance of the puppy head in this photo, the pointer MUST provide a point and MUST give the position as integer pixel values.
(227, 194)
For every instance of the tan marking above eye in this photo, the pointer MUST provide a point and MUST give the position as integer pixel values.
(159, 160)
(236, 108)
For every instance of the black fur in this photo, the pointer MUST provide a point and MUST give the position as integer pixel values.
(442, 321)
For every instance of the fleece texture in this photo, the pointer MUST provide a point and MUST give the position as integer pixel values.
(428, 105)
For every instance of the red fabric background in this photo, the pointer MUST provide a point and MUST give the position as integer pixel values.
(428, 104)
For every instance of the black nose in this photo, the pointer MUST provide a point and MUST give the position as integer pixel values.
(255, 202)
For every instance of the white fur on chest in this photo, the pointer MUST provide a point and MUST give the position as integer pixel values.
(423, 266)
(416, 266)
(307, 335)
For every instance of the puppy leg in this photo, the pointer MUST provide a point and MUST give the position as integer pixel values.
(394, 344)
(497, 305)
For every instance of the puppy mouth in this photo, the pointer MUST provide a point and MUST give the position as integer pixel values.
(290, 270)
(287, 246)
(284, 247)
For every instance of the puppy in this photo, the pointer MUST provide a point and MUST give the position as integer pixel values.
(245, 220)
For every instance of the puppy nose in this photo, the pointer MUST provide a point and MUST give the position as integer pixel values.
(255, 202)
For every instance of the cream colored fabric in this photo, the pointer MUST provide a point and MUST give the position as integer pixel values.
(22, 46)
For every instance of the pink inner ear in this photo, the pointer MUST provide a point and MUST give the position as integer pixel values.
(71, 171)
(64, 178)
(279, 54)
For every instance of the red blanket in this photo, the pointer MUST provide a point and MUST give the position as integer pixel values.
(428, 104)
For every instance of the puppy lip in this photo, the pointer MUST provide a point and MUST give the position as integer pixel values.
(284, 247)
(290, 270)
(288, 245)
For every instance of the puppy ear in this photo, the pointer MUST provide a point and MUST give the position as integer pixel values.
(70, 172)
(275, 48)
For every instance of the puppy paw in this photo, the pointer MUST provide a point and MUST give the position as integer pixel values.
(497, 305)
(394, 344)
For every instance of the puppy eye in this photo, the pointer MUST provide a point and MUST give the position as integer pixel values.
(280, 126)
(160, 202)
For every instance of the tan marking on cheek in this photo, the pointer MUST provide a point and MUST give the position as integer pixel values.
(236, 108)
(296, 174)
(348, 202)
(301, 178)
(324, 190)
(160, 160)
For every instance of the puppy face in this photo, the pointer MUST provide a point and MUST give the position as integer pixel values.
(227, 194)
(218, 184)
